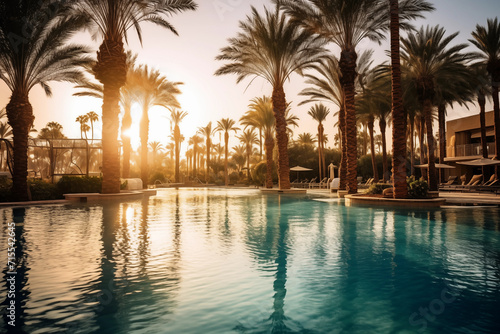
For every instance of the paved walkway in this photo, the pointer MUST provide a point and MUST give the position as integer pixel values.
(451, 197)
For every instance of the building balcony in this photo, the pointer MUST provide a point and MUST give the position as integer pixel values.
(468, 150)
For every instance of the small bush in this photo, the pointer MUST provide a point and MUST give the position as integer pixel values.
(43, 191)
(157, 176)
(5, 185)
(75, 184)
(377, 188)
(417, 188)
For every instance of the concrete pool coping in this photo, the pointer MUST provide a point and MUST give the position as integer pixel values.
(97, 197)
(381, 201)
(283, 191)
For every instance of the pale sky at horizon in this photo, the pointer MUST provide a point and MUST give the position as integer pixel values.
(189, 58)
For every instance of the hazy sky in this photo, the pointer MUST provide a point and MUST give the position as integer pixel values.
(189, 58)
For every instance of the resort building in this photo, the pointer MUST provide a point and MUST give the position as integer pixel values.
(463, 140)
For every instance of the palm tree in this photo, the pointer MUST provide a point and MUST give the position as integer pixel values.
(248, 138)
(260, 116)
(83, 119)
(207, 132)
(151, 89)
(111, 19)
(156, 147)
(482, 89)
(92, 117)
(426, 58)
(195, 141)
(127, 98)
(272, 47)
(306, 139)
(40, 56)
(327, 87)
(176, 117)
(346, 23)
(53, 130)
(226, 125)
(487, 40)
(319, 113)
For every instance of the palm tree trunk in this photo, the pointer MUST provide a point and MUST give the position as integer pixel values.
(20, 117)
(279, 108)
(431, 169)
(343, 156)
(111, 71)
(177, 139)
(398, 113)
(194, 162)
(249, 149)
(412, 146)
(385, 167)
(126, 124)
(496, 113)
(207, 144)
(269, 147)
(226, 149)
(260, 143)
(442, 136)
(348, 69)
(144, 134)
(319, 153)
(481, 100)
(372, 148)
(421, 137)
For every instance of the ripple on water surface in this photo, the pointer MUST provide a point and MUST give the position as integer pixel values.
(232, 261)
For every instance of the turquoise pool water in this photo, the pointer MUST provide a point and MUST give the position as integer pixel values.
(235, 261)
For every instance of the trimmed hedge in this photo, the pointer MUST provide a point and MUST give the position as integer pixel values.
(76, 184)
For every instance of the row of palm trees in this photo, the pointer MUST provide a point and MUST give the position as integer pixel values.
(426, 74)
(34, 51)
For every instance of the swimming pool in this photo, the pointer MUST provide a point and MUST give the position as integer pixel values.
(237, 261)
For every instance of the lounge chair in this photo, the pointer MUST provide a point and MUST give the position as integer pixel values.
(313, 182)
(321, 183)
(450, 181)
(492, 179)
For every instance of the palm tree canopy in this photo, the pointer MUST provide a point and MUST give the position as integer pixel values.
(248, 137)
(270, 47)
(346, 23)
(113, 19)
(306, 139)
(426, 57)
(226, 125)
(176, 116)
(319, 112)
(42, 54)
(487, 40)
(153, 89)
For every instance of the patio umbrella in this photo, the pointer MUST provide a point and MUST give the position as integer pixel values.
(480, 162)
(442, 166)
(299, 169)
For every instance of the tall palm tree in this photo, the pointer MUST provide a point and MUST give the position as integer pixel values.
(426, 56)
(156, 147)
(306, 139)
(176, 117)
(41, 55)
(111, 19)
(207, 132)
(83, 120)
(487, 40)
(327, 87)
(151, 89)
(248, 138)
(482, 89)
(195, 141)
(346, 23)
(271, 47)
(319, 113)
(127, 98)
(226, 125)
(260, 116)
(93, 117)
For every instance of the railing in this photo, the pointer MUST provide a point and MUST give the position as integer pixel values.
(469, 150)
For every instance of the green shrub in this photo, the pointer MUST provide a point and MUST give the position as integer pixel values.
(417, 188)
(378, 188)
(43, 191)
(157, 176)
(75, 184)
(5, 185)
